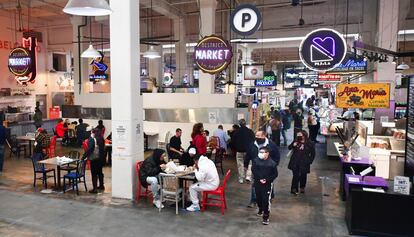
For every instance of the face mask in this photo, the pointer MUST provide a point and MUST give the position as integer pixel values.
(261, 156)
(93, 135)
(260, 140)
(299, 138)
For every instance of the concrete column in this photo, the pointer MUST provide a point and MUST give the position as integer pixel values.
(180, 51)
(126, 104)
(388, 12)
(208, 23)
(76, 21)
(155, 66)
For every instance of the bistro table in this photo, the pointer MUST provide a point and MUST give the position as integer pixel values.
(58, 162)
(29, 139)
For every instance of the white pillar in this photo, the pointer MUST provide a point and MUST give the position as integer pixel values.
(126, 104)
(387, 38)
(208, 15)
(180, 51)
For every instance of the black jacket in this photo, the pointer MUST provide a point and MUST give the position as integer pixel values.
(264, 169)
(253, 151)
(242, 138)
(91, 147)
(151, 167)
(302, 159)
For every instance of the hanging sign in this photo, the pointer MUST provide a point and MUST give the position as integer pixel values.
(99, 69)
(322, 50)
(350, 65)
(245, 19)
(22, 62)
(269, 79)
(213, 54)
(364, 96)
(253, 72)
(329, 77)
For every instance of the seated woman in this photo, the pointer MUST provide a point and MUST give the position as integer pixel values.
(62, 131)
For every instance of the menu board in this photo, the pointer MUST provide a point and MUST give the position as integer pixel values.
(409, 160)
(363, 96)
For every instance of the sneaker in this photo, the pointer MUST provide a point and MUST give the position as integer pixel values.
(193, 207)
(241, 181)
(294, 192)
(265, 221)
(260, 213)
(158, 204)
(249, 180)
(252, 205)
(93, 191)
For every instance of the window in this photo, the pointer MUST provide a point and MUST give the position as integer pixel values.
(59, 62)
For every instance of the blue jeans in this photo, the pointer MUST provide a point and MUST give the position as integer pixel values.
(1, 157)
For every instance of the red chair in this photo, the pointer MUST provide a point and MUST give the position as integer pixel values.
(220, 191)
(141, 193)
(51, 150)
(85, 148)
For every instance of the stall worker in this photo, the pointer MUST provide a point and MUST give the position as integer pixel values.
(149, 171)
(207, 177)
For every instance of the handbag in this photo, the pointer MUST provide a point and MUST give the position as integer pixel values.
(95, 154)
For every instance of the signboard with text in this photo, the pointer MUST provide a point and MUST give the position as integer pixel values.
(364, 96)
(322, 50)
(245, 19)
(269, 79)
(22, 61)
(350, 65)
(213, 54)
(253, 72)
(329, 78)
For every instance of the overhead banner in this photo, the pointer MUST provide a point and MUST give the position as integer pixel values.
(245, 19)
(350, 65)
(22, 61)
(322, 50)
(213, 54)
(363, 96)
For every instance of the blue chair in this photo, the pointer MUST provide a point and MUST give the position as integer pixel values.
(76, 177)
(41, 169)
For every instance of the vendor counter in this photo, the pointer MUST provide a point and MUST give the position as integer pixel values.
(24, 127)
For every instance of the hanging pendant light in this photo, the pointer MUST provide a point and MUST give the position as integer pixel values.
(87, 8)
(91, 52)
(403, 66)
(151, 53)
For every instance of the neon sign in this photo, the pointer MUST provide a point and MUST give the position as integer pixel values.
(99, 69)
(269, 79)
(322, 50)
(351, 66)
(22, 61)
(213, 54)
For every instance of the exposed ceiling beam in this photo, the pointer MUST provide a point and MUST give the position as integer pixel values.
(164, 8)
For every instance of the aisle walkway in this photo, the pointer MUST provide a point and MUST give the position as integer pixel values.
(317, 213)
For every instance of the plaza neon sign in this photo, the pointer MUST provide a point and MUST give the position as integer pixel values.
(213, 54)
(322, 50)
(22, 61)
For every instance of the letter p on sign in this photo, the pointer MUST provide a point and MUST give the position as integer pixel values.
(245, 19)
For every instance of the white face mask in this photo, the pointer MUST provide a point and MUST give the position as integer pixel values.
(261, 156)
(93, 135)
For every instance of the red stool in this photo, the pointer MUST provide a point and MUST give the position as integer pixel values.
(217, 202)
(141, 193)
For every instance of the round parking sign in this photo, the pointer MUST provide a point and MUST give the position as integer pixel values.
(245, 19)
(322, 49)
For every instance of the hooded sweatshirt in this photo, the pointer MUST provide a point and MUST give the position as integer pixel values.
(151, 166)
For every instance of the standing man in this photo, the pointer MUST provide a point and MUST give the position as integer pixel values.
(2, 142)
(243, 137)
(38, 118)
(265, 172)
(222, 135)
(208, 180)
(176, 151)
(286, 124)
(254, 148)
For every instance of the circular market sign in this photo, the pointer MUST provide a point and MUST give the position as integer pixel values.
(20, 62)
(322, 50)
(245, 19)
(213, 54)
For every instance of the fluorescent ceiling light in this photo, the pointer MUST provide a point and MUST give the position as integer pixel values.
(241, 41)
(91, 52)
(87, 8)
(151, 53)
(406, 32)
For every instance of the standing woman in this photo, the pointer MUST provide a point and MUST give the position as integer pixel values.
(95, 153)
(312, 125)
(297, 122)
(300, 161)
(199, 141)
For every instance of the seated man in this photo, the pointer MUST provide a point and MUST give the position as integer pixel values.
(176, 151)
(149, 171)
(42, 141)
(187, 158)
(208, 180)
(81, 133)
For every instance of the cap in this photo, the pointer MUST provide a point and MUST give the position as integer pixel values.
(192, 151)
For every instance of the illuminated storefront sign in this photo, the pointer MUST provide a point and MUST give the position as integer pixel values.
(351, 66)
(269, 79)
(245, 19)
(213, 54)
(99, 69)
(22, 62)
(329, 77)
(322, 50)
(364, 96)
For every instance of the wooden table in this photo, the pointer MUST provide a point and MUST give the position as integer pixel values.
(58, 162)
(29, 139)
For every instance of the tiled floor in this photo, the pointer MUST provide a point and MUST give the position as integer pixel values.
(24, 211)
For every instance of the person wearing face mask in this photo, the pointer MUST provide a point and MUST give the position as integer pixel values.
(264, 172)
(96, 147)
(297, 122)
(300, 161)
(253, 150)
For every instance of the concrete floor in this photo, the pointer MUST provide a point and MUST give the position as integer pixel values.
(24, 211)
